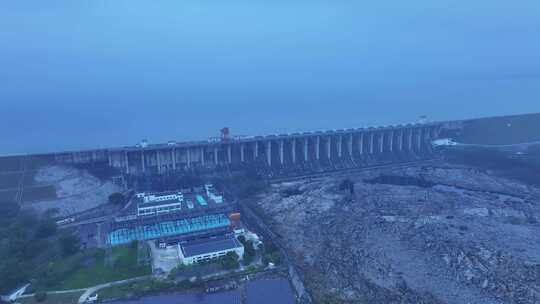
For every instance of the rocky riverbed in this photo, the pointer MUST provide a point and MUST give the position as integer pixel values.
(431, 234)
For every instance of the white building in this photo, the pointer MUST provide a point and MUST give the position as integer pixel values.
(211, 193)
(159, 203)
(208, 249)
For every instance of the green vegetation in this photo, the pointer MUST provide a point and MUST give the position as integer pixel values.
(40, 296)
(271, 253)
(150, 285)
(64, 298)
(101, 170)
(69, 243)
(94, 267)
(27, 242)
(139, 288)
(249, 251)
(230, 261)
(241, 185)
(179, 269)
(116, 198)
(254, 268)
(33, 250)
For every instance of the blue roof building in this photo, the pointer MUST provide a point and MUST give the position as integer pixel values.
(209, 248)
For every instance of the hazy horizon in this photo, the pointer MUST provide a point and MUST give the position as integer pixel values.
(92, 74)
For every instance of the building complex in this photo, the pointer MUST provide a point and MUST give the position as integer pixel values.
(199, 222)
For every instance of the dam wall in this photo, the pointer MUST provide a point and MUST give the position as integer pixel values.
(350, 147)
(272, 150)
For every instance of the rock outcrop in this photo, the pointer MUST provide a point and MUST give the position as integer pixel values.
(471, 238)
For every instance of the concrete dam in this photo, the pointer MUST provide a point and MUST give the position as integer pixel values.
(272, 151)
(318, 151)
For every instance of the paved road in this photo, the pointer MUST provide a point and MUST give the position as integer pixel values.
(54, 292)
(89, 221)
(87, 292)
(92, 290)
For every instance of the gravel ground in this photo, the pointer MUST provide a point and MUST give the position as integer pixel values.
(76, 190)
(472, 238)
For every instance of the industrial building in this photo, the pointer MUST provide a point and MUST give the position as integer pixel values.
(138, 231)
(191, 252)
(172, 217)
(158, 203)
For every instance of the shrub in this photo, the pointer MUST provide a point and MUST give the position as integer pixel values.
(230, 261)
(70, 244)
(40, 296)
(46, 229)
(116, 198)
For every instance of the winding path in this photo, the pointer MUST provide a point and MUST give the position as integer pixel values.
(89, 291)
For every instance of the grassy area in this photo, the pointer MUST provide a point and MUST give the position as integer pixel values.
(142, 287)
(153, 286)
(67, 298)
(99, 268)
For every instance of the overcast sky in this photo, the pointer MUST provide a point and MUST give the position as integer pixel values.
(93, 73)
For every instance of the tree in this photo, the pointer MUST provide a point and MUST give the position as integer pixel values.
(40, 296)
(51, 212)
(46, 229)
(230, 260)
(116, 198)
(12, 274)
(249, 252)
(273, 257)
(271, 253)
(69, 243)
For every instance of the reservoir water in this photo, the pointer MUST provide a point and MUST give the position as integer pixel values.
(86, 74)
(270, 292)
